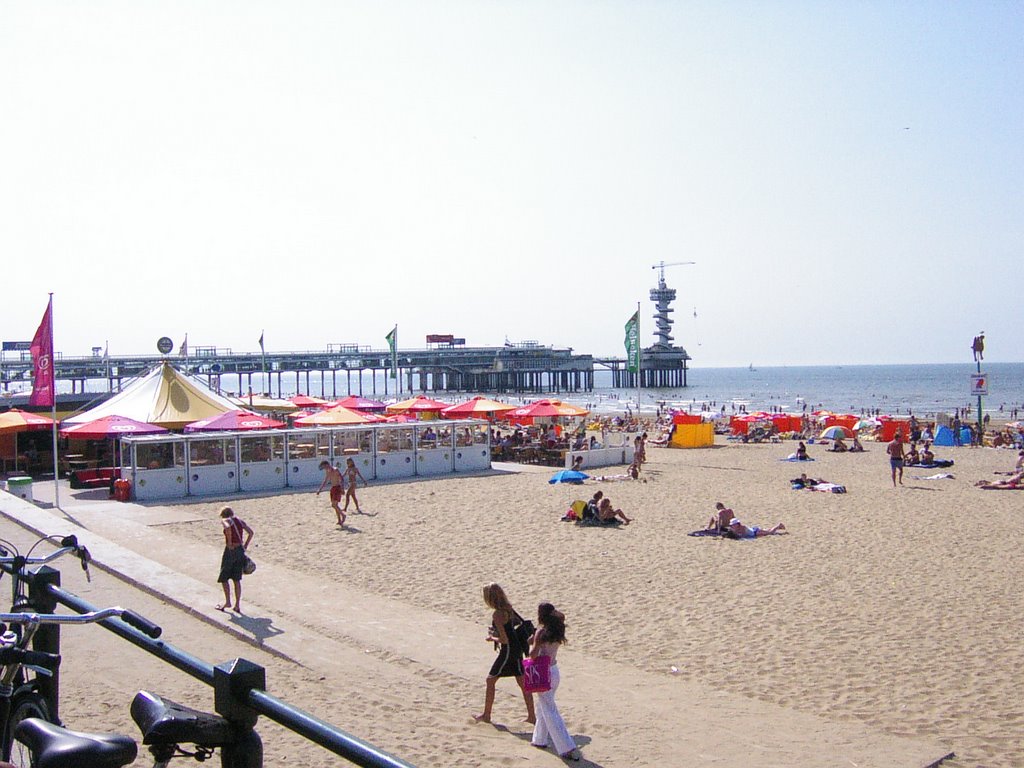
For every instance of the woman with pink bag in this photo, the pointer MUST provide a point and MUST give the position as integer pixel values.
(550, 724)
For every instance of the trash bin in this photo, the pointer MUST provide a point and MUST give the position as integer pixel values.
(20, 487)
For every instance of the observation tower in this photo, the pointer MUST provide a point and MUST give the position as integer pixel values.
(664, 364)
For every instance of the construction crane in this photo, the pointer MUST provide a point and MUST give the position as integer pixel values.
(663, 296)
(662, 264)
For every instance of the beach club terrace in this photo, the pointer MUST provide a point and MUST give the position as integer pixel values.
(174, 466)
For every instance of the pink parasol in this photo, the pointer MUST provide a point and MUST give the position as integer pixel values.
(357, 403)
(233, 421)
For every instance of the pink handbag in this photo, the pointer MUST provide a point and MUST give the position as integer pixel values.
(537, 674)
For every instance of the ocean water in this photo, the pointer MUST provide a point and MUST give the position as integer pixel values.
(895, 389)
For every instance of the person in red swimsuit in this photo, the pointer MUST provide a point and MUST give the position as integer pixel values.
(333, 476)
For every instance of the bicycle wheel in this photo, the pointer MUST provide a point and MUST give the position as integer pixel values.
(26, 704)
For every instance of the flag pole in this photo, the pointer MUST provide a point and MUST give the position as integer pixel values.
(53, 416)
(639, 362)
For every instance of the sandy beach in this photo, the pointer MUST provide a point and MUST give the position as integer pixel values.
(895, 610)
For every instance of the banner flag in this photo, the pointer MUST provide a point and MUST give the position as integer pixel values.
(42, 361)
(261, 341)
(392, 340)
(183, 349)
(633, 343)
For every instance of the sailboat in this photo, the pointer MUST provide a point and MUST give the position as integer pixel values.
(752, 368)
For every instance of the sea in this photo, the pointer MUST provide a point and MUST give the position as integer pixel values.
(924, 390)
(889, 389)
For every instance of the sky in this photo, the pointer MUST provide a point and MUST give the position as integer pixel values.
(847, 177)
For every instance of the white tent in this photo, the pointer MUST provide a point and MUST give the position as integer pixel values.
(165, 397)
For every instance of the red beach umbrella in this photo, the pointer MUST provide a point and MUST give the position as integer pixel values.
(477, 407)
(233, 421)
(535, 410)
(108, 427)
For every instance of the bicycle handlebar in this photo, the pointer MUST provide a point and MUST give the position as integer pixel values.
(15, 655)
(68, 545)
(131, 618)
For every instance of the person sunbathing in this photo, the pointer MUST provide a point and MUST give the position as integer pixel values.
(1012, 483)
(608, 516)
(720, 520)
(856, 447)
(838, 446)
(741, 531)
(806, 482)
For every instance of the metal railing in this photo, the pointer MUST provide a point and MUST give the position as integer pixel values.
(238, 685)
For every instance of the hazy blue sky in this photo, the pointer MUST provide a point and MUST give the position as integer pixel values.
(847, 176)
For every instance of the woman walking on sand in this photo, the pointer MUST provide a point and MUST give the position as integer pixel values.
(233, 560)
(550, 725)
(351, 474)
(509, 661)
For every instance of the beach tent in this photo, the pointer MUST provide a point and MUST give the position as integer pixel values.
(165, 396)
(943, 437)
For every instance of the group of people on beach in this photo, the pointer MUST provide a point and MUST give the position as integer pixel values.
(341, 482)
(725, 523)
(505, 632)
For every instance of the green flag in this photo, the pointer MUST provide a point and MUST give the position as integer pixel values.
(392, 340)
(633, 343)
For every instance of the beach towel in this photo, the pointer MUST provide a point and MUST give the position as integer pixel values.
(827, 488)
(792, 457)
(938, 464)
(706, 532)
(940, 476)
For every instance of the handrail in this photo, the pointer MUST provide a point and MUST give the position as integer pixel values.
(318, 731)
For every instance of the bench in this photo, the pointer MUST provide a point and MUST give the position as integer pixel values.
(101, 477)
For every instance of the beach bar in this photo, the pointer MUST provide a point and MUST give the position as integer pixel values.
(177, 466)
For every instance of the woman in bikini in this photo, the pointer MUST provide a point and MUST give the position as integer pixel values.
(352, 473)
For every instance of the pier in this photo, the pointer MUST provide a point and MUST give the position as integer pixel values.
(340, 370)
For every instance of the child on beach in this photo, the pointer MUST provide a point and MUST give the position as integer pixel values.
(550, 725)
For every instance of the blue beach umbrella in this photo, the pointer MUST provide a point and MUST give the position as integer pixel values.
(569, 476)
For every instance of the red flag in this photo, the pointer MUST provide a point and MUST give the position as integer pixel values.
(42, 360)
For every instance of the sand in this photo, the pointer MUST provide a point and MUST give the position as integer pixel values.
(893, 610)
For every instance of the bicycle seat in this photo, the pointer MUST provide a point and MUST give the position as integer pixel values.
(56, 747)
(163, 721)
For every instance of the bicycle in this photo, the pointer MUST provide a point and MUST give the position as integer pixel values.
(25, 703)
(25, 695)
